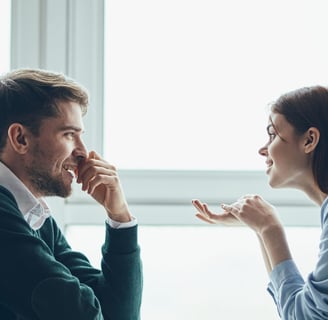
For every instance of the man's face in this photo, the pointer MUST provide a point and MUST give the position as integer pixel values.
(54, 154)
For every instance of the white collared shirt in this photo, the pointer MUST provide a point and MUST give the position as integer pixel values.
(35, 211)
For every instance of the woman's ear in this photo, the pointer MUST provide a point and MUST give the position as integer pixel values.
(312, 137)
(18, 137)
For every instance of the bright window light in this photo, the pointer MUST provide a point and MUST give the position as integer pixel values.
(5, 7)
(188, 82)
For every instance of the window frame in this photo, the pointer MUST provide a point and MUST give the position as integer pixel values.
(58, 38)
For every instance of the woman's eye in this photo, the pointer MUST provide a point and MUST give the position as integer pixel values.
(271, 132)
(271, 136)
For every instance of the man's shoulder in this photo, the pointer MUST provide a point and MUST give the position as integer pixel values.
(6, 197)
(4, 192)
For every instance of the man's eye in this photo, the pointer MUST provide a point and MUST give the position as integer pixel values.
(69, 134)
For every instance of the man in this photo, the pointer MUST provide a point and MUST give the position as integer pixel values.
(41, 152)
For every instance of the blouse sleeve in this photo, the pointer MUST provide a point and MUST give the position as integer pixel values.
(297, 298)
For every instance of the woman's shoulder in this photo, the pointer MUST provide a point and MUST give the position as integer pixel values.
(324, 212)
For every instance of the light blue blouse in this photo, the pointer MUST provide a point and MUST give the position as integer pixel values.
(299, 299)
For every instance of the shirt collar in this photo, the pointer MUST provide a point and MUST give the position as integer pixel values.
(324, 211)
(35, 211)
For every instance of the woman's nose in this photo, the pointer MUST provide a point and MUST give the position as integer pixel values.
(263, 151)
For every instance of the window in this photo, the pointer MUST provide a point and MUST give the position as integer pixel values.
(5, 35)
(188, 82)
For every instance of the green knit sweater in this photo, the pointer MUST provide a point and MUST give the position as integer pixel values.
(42, 278)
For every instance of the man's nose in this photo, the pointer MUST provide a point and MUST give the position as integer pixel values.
(80, 152)
(80, 159)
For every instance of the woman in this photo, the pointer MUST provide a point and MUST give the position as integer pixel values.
(296, 156)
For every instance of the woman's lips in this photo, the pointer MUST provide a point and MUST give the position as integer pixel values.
(269, 164)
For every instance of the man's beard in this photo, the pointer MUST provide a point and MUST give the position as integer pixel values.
(45, 184)
(42, 182)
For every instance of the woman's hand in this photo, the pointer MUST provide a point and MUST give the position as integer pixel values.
(259, 215)
(255, 212)
(203, 213)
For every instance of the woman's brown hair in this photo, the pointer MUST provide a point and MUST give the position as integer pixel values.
(304, 108)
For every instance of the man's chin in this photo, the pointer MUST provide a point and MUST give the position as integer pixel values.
(66, 194)
(59, 192)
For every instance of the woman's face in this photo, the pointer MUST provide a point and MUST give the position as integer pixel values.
(288, 165)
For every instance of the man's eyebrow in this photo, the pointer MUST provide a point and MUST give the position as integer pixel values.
(70, 127)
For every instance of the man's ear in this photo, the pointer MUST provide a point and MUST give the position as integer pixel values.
(18, 137)
(312, 137)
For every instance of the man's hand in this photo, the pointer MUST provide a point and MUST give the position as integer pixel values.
(101, 181)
